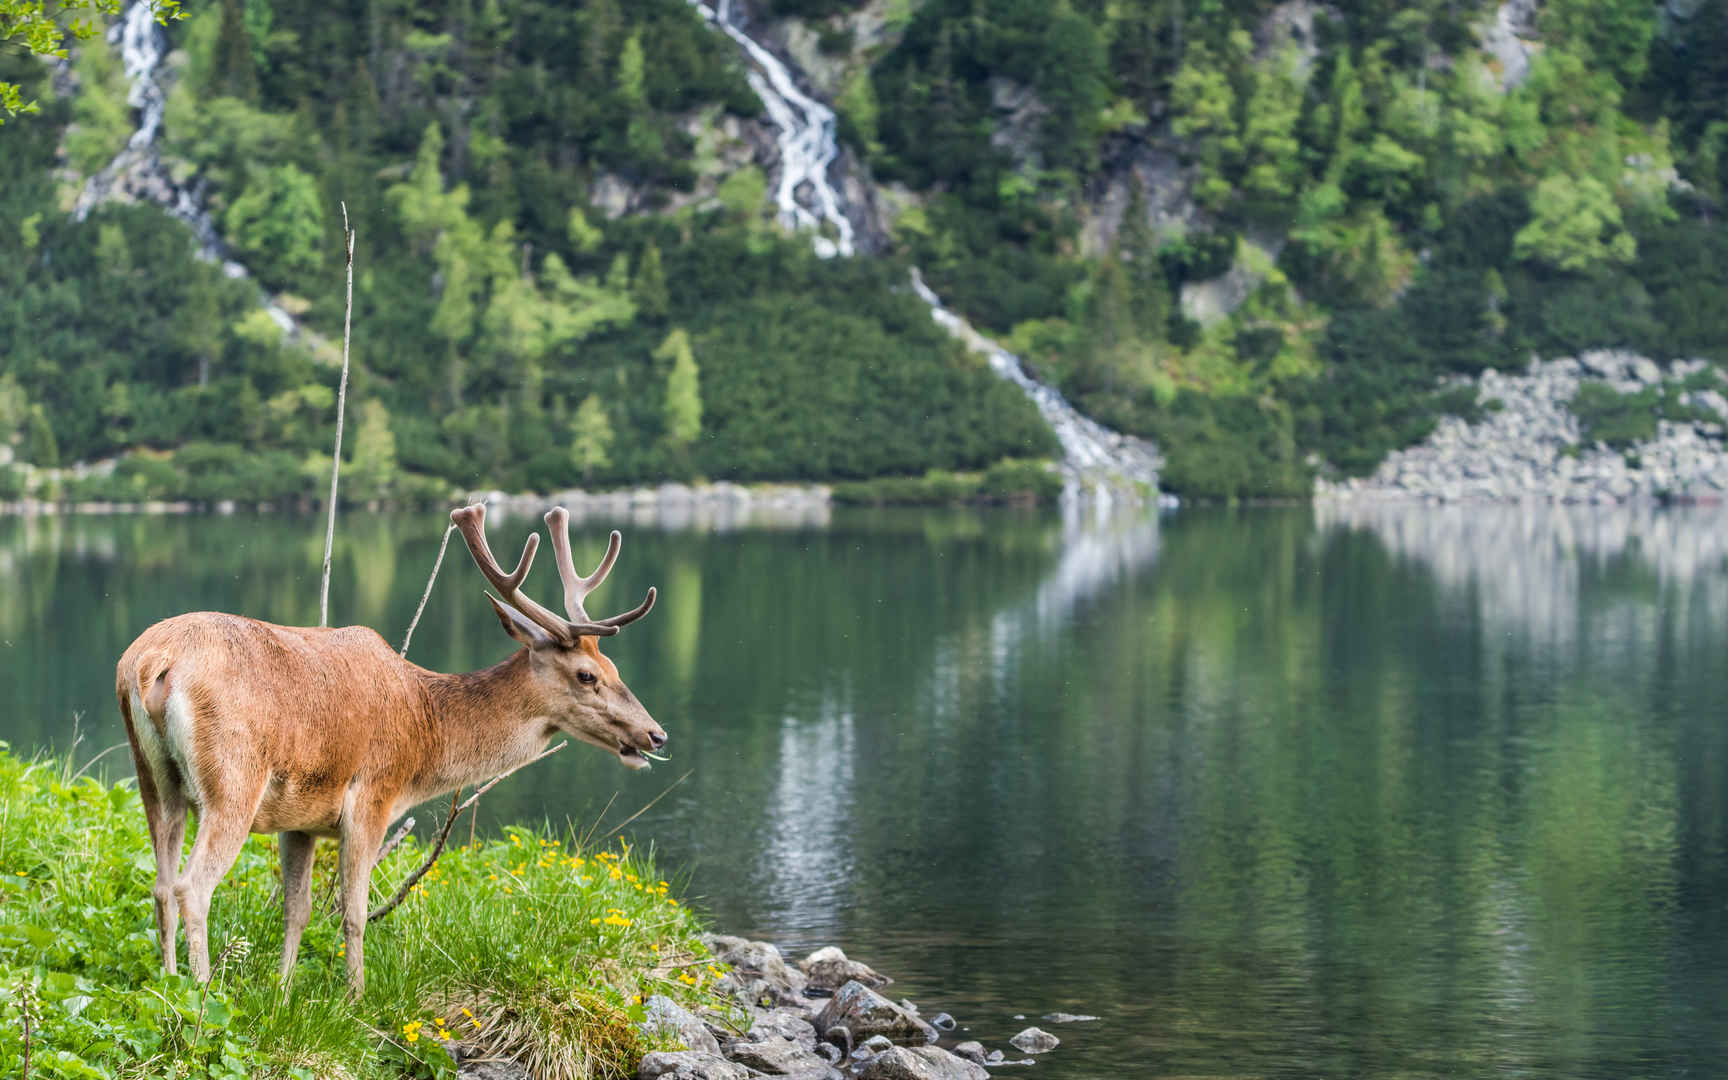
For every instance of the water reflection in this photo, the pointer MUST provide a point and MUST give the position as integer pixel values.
(1360, 790)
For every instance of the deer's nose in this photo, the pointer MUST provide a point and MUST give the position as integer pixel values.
(658, 738)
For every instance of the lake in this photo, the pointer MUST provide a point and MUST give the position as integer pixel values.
(1346, 791)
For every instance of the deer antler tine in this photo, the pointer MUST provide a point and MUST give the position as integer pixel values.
(592, 581)
(471, 520)
(518, 575)
(647, 605)
(558, 527)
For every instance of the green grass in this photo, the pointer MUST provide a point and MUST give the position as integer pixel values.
(528, 944)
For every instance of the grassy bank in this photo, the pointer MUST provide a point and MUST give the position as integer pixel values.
(530, 944)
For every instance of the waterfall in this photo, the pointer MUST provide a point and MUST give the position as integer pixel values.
(806, 140)
(1095, 460)
(138, 173)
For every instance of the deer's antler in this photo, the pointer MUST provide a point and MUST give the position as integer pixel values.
(577, 587)
(471, 520)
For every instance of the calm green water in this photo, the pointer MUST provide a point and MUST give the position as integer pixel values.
(1275, 793)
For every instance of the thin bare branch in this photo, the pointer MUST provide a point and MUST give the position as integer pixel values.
(427, 595)
(95, 759)
(650, 805)
(456, 811)
(396, 837)
(341, 407)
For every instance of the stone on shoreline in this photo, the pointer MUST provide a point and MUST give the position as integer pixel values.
(829, 969)
(863, 1012)
(759, 977)
(777, 1057)
(1035, 1041)
(691, 1065)
(789, 1025)
(972, 1050)
(669, 1017)
(921, 1063)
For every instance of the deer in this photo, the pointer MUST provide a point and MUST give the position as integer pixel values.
(311, 732)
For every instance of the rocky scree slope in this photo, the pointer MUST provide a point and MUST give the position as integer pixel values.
(1529, 444)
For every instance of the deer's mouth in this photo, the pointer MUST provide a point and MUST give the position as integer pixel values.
(633, 758)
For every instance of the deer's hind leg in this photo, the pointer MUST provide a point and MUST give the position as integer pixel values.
(296, 849)
(165, 812)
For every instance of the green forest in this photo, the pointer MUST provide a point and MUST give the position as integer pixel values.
(1396, 215)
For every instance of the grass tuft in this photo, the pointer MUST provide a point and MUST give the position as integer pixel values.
(527, 945)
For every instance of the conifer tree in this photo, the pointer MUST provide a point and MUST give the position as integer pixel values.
(683, 389)
(592, 447)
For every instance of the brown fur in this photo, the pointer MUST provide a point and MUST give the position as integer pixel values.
(327, 732)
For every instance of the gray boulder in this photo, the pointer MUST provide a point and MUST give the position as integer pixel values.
(1035, 1041)
(778, 1057)
(829, 969)
(759, 977)
(667, 1017)
(921, 1063)
(691, 1065)
(864, 1012)
(759, 958)
(973, 1051)
(788, 1025)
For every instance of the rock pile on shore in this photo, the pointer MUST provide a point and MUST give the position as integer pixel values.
(821, 1019)
(1528, 446)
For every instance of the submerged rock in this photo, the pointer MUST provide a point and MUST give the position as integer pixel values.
(973, 1051)
(690, 1065)
(829, 969)
(943, 1021)
(863, 1013)
(1068, 1018)
(875, 1044)
(666, 1016)
(921, 1063)
(1035, 1041)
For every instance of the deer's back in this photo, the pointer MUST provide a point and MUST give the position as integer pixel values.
(218, 701)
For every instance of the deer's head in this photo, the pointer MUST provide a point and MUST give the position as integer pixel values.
(579, 687)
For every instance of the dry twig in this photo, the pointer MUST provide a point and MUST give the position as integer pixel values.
(427, 595)
(444, 834)
(341, 407)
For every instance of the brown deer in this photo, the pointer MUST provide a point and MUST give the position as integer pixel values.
(309, 732)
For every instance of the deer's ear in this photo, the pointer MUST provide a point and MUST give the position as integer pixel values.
(519, 626)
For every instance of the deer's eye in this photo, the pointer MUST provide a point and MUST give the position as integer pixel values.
(586, 678)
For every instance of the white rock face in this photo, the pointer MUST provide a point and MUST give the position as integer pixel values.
(1528, 448)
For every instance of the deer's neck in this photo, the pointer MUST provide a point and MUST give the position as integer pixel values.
(485, 723)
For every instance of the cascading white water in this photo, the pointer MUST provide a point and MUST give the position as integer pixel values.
(137, 171)
(1095, 460)
(806, 140)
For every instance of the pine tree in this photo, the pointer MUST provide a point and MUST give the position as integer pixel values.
(649, 287)
(683, 389)
(40, 446)
(373, 471)
(236, 73)
(631, 65)
(592, 447)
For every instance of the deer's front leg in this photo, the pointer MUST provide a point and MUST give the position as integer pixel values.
(361, 837)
